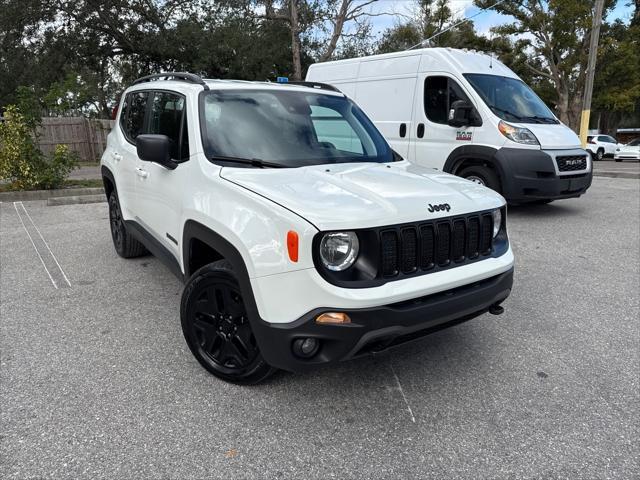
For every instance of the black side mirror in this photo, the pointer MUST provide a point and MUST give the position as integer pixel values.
(155, 148)
(463, 114)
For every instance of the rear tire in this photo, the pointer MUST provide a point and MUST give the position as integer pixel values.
(600, 154)
(217, 329)
(126, 246)
(481, 175)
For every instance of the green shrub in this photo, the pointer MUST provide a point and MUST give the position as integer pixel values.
(22, 164)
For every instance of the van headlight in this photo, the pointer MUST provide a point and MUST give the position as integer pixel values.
(517, 134)
(497, 222)
(339, 250)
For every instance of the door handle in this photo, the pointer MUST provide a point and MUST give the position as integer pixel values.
(420, 130)
(142, 173)
(116, 156)
(403, 130)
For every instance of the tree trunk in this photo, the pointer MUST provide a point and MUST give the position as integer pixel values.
(563, 104)
(338, 25)
(295, 41)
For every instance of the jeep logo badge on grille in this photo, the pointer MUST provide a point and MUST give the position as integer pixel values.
(439, 208)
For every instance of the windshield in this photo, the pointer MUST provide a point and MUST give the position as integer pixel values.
(510, 98)
(287, 129)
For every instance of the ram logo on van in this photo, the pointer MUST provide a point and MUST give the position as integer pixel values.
(464, 135)
(439, 208)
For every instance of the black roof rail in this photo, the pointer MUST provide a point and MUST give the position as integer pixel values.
(183, 76)
(318, 85)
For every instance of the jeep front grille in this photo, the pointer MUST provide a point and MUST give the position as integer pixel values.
(571, 163)
(427, 246)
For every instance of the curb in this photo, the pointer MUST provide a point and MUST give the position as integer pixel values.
(633, 175)
(47, 194)
(76, 200)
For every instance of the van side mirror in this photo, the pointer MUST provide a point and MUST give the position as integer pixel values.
(156, 149)
(463, 114)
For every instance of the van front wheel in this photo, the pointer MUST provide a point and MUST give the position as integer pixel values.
(482, 176)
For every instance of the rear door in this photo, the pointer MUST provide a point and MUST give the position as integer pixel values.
(132, 122)
(433, 139)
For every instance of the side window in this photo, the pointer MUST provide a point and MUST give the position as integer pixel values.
(167, 117)
(132, 119)
(439, 94)
(436, 102)
(333, 130)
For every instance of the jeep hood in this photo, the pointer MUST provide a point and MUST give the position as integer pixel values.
(361, 195)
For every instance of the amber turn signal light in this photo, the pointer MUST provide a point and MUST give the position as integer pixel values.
(333, 317)
(292, 245)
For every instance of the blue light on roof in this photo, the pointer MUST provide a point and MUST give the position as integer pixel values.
(283, 80)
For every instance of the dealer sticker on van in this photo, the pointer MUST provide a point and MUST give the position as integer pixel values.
(464, 135)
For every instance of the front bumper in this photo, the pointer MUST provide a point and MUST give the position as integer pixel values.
(530, 175)
(626, 156)
(377, 328)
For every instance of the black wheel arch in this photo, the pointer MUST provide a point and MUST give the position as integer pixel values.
(109, 181)
(472, 155)
(194, 230)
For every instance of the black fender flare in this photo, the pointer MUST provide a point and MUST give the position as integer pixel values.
(195, 230)
(107, 174)
(476, 152)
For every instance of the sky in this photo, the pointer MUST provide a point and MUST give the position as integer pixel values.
(463, 9)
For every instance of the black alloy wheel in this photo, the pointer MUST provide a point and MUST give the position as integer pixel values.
(126, 246)
(217, 328)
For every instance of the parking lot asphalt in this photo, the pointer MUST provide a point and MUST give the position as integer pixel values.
(96, 380)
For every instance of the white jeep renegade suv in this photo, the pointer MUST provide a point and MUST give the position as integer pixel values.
(303, 239)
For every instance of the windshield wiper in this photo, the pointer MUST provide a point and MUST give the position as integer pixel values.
(254, 162)
(507, 112)
(542, 119)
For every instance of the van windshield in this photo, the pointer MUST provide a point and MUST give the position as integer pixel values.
(510, 98)
(279, 128)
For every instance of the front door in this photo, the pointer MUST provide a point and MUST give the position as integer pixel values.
(158, 189)
(433, 139)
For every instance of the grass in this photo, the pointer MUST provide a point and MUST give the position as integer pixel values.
(7, 187)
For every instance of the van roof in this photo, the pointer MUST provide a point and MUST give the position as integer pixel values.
(433, 59)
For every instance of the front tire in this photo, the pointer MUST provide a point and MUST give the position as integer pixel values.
(216, 326)
(481, 175)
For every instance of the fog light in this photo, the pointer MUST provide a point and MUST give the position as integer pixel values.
(305, 347)
(333, 317)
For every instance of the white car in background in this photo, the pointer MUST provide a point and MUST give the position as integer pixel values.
(630, 151)
(601, 146)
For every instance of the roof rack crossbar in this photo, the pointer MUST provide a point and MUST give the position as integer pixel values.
(318, 85)
(183, 76)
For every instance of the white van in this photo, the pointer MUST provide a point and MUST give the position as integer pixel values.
(465, 113)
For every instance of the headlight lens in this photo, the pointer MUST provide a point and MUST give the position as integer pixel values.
(518, 134)
(497, 222)
(339, 250)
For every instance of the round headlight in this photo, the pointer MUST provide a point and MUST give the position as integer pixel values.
(339, 250)
(497, 222)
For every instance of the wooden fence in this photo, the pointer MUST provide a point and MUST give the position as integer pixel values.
(87, 137)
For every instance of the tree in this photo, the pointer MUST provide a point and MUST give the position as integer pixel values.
(558, 32)
(432, 17)
(617, 82)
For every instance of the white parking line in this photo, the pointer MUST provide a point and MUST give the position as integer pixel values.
(66, 279)
(53, 268)
(34, 246)
(413, 419)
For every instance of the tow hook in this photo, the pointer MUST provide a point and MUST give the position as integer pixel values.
(496, 309)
